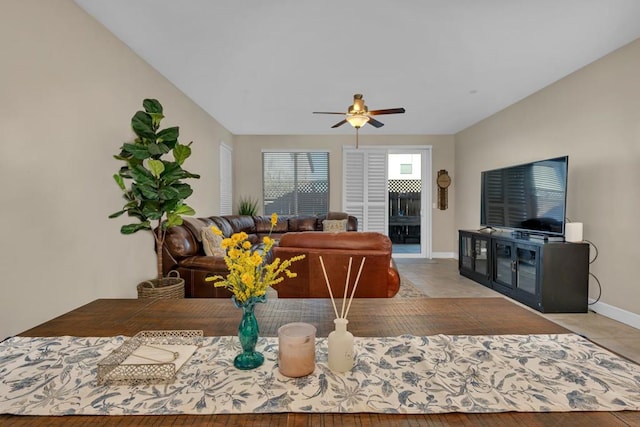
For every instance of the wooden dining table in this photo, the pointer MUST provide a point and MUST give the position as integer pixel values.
(367, 318)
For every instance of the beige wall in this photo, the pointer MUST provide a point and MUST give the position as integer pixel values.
(248, 167)
(593, 116)
(68, 89)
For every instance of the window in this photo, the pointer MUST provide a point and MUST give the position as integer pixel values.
(406, 168)
(226, 179)
(295, 182)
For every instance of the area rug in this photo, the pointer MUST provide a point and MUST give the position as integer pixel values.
(406, 374)
(408, 289)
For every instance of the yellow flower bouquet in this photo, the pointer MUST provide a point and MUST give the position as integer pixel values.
(249, 276)
(248, 279)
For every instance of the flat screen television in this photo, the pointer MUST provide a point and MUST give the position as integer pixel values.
(530, 197)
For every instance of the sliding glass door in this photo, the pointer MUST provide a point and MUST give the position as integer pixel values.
(405, 202)
(388, 190)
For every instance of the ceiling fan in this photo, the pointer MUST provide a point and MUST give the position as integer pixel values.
(358, 115)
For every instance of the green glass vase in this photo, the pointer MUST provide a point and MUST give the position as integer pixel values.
(248, 332)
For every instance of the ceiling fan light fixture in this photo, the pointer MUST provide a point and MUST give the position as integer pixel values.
(357, 120)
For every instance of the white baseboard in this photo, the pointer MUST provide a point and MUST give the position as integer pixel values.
(442, 255)
(615, 313)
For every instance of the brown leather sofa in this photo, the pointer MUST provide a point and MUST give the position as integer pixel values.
(183, 250)
(379, 277)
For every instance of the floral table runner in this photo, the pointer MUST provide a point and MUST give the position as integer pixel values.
(406, 374)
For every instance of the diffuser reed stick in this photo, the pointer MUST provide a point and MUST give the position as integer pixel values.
(346, 290)
(353, 291)
(326, 279)
(343, 312)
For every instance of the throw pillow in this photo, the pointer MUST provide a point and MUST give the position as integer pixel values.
(211, 242)
(334, 225)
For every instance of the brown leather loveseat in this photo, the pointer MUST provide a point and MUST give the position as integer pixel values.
(183, 249)
(379, 277)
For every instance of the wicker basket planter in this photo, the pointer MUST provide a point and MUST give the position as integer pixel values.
(171, 287)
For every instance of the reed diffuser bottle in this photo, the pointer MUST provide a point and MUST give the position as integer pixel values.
(340, 341)
(340, 347)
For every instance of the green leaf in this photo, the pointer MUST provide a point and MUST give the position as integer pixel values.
(152, 209)
(147, 191)
(119, 181)
(190, 175)
(142, 175)
(181, 153)
(142, 125)
(169, 193)
(151, 105)
(184, 190)
(132, 228)
(185, 210)
(172, 172)
(156, 167)
(116, 214)
(137, 150)
(133, 204)
(158, 149)
(171, 205)
(154, 149)
(156, 118)
(169, 134)
(172, 219)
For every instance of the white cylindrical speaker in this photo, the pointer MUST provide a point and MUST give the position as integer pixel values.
(573, 232)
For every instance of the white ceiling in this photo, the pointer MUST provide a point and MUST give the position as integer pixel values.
(262, 67)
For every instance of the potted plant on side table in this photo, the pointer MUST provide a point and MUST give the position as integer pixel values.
(155, 195)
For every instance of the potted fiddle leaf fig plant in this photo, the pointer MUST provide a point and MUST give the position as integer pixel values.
(152, 180)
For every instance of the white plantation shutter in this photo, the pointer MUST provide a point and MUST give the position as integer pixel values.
(365, 192)
(226, 180)
(376, 191)
(353, 185)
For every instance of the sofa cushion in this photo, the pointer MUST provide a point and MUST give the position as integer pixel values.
(241, 223)
(194, 225)
(302, 223)
(214, 264)
(263, 224)
(223, 225)
(180, 243)
(333, 225)
(346, 240)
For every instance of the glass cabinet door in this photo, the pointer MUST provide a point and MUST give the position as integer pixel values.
(466, 252)
(503, 263)
(481, 256)
(527, 260)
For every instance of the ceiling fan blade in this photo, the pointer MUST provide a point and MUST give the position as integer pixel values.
(387, 111)
(339, 123)
(373, 122)
(326, 112)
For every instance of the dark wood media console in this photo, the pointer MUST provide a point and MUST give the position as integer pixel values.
(551, 277)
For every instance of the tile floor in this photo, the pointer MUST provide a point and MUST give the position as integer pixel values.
(439, 278)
